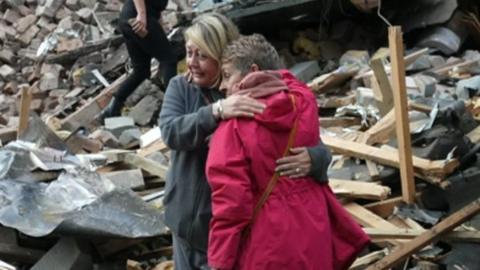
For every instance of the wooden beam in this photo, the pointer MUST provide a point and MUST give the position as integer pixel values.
(381, 131)
(401, 113)
(157, 146)
(359, 190)
(474, 135)
(86, 114)
(147, 165)
(71, 56)
(24, 110)
(363, 262)
(424, 167)
(382, 234)
(384, 208)
(326, 122)
(381, 81)
(369, 219)
(445, 226)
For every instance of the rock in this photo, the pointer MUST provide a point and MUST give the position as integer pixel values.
(7, 56)
(6, 72)
(24, 23)
(143, 112)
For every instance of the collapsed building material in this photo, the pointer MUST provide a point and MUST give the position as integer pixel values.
(423, 167)
(359, 190)
(395, 41)
(427, 237)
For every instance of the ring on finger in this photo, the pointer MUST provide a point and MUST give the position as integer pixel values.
(297, 170)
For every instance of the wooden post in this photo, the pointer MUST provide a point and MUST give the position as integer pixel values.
(401, 113)
(24, 110)
(427, 237)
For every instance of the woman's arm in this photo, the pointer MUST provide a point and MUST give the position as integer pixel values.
(182, 130)
(228, 173)
(313, 161)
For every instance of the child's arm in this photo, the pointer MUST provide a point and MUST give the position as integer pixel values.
(228, 173)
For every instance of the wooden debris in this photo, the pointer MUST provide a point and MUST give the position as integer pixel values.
(427, 237)
(24, 110)
(147, 165)
(464, 236)
(359, 190)
(401, 114)
(389, 157)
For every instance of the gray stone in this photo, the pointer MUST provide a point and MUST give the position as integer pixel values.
(11, 16)
(29, 34)
(130, 136)
(6, 71)
(143, 112)
(117, 125)
(24, 23)
(132, 179)
(49, 81)
(468, 87)
(306, 71)
(67, 254)
(6, 55)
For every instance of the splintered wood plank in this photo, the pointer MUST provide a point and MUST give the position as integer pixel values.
(401, 113)
(445, 226)
(384, 208)
(24, 110)
(368, 259)
(359, 190)
(381, 81)
(157, 146)
(368, 219)
(438, 168)
(326, 122)
(474, 135)
(382, 234)
(147, 165)
(86, 114)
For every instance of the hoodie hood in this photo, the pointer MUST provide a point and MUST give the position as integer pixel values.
(270, 88)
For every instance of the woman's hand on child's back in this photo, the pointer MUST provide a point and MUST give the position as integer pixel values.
(241, 106)
(297, 164)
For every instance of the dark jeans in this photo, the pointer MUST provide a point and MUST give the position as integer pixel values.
(141, 52)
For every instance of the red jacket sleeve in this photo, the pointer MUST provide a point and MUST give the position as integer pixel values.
(228, 173)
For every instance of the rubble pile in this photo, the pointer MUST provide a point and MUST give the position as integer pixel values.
(88, 195)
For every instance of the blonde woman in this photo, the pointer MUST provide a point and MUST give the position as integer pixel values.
(191, 111)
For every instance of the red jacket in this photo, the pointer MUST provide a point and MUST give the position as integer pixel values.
(301, 225)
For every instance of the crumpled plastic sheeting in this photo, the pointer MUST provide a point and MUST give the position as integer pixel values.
(19, 158)
(81, 200)
(36, 209)
(120, 213)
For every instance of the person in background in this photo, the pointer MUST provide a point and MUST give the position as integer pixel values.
(192, 109)
(145, 39)
(262, 220)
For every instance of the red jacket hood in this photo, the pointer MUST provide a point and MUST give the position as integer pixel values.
(283, 94)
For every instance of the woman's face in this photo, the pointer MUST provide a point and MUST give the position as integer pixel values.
(204, 69)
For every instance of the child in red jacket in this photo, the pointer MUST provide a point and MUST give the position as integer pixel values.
(262, 220)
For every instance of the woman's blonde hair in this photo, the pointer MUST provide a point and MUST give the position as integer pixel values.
(212, 32)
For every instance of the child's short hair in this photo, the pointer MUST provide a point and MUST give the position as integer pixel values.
(252, 49)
